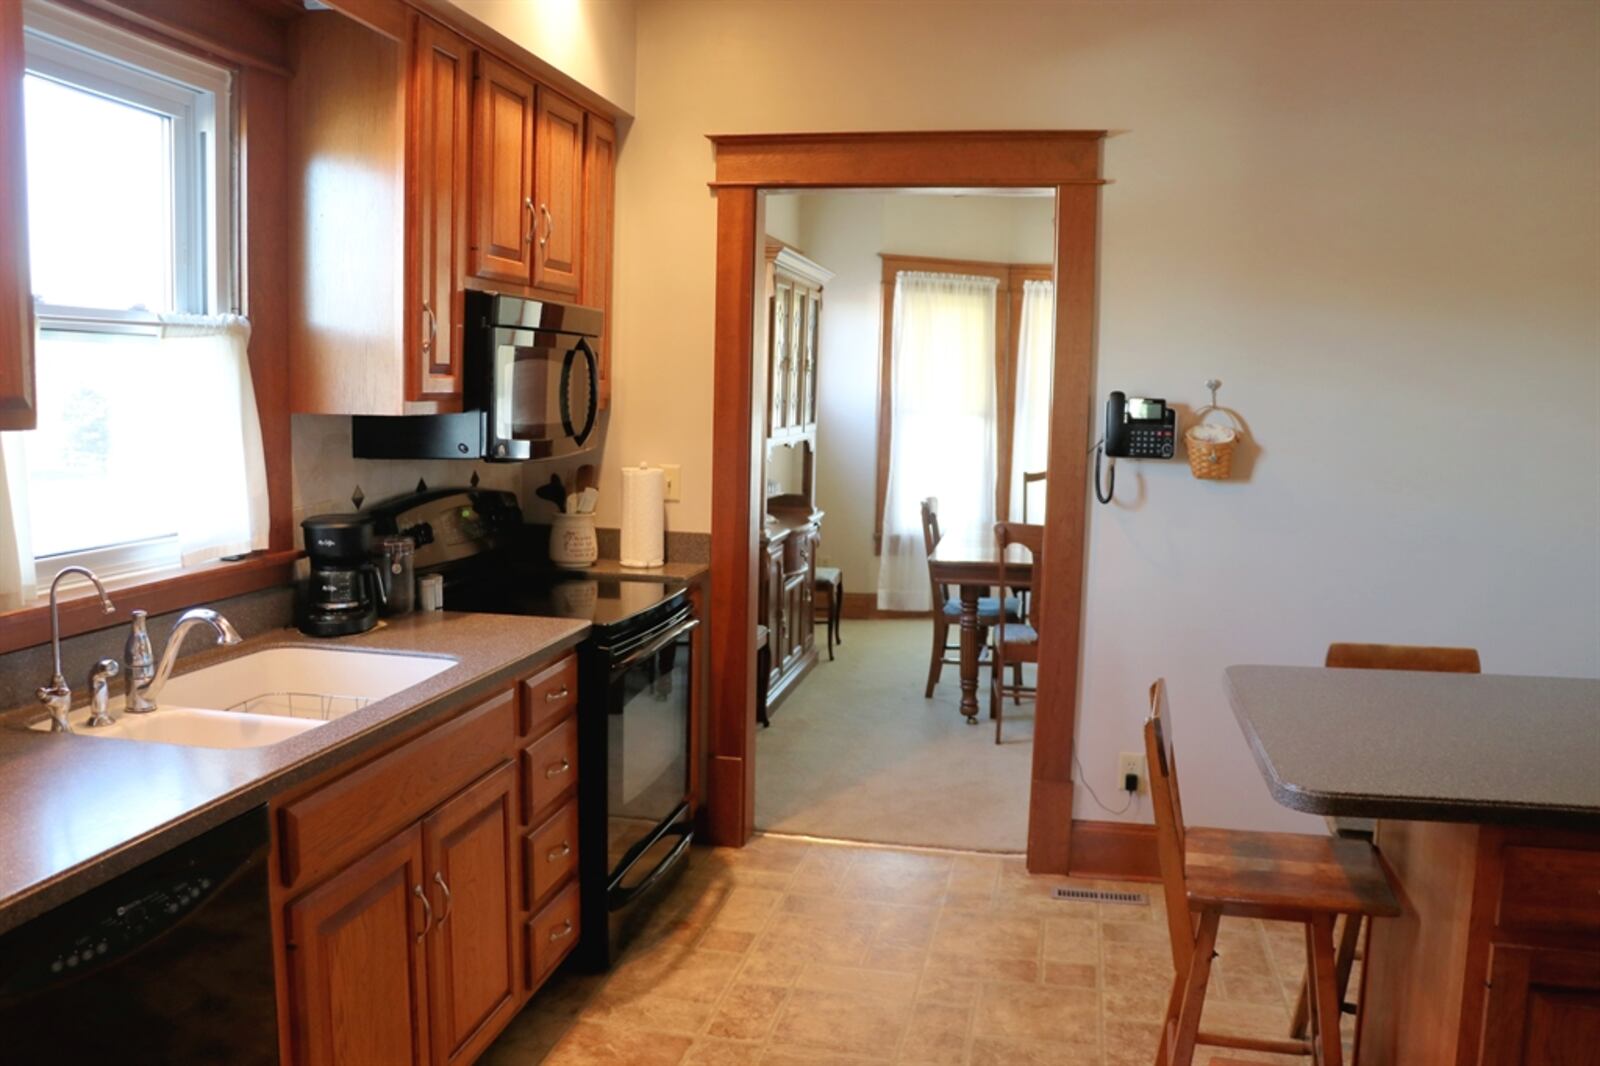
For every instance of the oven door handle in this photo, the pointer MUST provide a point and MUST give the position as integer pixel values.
(620, 897)
(671, 635)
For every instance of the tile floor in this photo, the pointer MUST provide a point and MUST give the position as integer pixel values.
(791, 952)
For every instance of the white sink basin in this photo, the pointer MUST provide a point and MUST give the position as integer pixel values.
(265, 697)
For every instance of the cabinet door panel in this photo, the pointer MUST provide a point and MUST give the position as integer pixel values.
(558, 193)
(17, 409)
(441, 125)
(599, 197)
(469, 846)
(357, 984)
(1543, 1007)
(502, 166)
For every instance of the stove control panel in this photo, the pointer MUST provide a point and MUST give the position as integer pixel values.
(450, 524)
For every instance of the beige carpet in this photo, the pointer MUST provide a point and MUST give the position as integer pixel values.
(857, 753)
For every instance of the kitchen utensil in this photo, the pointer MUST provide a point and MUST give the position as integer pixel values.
(555, 492)
(571, 506)
(586, 477)
(586, 500)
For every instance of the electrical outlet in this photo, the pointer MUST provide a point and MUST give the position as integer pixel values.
(1130, 763)
(672, 473)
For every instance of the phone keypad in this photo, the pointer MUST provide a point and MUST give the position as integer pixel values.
(1150, 442)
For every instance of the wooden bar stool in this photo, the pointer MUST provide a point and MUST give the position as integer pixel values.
(830, 579)
(1016, 641)
(1374, 657)
(1293, 877)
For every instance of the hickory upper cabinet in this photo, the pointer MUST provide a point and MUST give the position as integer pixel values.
(527, 163)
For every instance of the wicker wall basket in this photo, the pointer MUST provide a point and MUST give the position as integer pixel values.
(1210, 447)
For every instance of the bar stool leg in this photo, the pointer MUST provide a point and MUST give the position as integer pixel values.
(1194, 992)
(1325, 991)
(1344, 962)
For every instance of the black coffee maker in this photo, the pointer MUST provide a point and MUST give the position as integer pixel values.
(344, 592)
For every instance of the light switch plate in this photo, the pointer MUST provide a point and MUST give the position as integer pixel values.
(672, 473)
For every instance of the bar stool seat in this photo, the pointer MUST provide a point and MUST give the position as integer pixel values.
(1264, 875)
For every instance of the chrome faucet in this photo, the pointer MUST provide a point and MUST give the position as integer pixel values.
(146, 679)
(56, 696)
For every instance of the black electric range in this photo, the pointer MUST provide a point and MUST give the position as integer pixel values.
(635, 694)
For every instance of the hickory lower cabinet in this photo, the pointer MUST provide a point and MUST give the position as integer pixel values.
(424, 894)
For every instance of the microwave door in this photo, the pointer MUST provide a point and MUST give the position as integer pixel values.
(503, 442)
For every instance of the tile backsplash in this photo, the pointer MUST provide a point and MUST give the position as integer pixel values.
(325, 474)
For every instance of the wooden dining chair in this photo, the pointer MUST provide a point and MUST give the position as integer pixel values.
(1420, 657)
(1029, 479)
(947, 607)
(1207, 874)
(1015, 641)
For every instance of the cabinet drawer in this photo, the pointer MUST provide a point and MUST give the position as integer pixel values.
(352, 814)
(1554, 889)
(552, 853)
(549, 768)
(551, 934)
(549, 694)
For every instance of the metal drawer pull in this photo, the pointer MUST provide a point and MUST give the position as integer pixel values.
(549, 226)
(533, 220)
(556, 854)
(559, 694)
(438, 879)
(433, 329)
(564, 931)
(427, 910)
(556, 770)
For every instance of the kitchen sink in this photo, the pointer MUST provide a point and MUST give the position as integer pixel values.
(265, 697)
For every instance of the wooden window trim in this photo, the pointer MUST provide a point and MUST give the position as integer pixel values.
(1008, 312)
(252, 48)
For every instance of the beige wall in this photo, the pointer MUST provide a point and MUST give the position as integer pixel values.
(591, 41)
(845, 232)
(1376, 222)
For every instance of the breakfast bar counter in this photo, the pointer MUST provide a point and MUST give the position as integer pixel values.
(1486, 791)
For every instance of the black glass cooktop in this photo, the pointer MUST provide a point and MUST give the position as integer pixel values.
(605, 602)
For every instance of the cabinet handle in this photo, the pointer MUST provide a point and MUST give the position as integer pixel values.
(427, 911)
(556, 770)
(549, 226)
(563, 932)
(438, 879)
(559, 694)
(433, 329)
(533, 220)
(557, 854)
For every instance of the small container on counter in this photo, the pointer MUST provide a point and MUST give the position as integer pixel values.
(395, 570)
(431, 592)
(572, 540)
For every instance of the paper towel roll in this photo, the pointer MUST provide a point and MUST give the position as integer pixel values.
(644, 490)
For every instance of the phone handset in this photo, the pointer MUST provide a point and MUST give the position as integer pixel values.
(1112, 444)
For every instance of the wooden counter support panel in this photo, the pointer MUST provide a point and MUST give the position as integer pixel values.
(549, 695)
(349, 816)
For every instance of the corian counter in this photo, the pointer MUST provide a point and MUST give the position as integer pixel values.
(1394, 744)
(76, 811)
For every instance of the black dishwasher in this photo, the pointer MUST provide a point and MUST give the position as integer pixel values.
(168, 963)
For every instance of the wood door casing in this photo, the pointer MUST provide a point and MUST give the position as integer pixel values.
(17, 409)
(357, 983)
(471, 866)
(441, 134)
(502, 172)
(558, 193)
(599, 213)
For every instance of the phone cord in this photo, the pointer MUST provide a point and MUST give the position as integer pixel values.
(1111, 479)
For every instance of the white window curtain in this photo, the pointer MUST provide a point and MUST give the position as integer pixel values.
(201, 467)
(942, 434)
(225, 511)
(1030, 441)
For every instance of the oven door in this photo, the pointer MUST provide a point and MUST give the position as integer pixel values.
(647, 756)
(544, 395)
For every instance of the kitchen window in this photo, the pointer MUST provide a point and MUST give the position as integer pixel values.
(147, 454)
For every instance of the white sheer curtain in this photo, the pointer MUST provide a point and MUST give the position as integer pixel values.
(942, 434)
(1030, 440)
(225, 511)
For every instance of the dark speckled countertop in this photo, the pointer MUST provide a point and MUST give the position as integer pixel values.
(1416, 746)
(76, 811)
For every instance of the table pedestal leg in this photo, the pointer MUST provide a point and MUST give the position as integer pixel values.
(969, 651)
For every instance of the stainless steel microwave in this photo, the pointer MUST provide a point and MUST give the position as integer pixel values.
(530, 388)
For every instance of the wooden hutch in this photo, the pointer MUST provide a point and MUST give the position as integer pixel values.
(792, 529)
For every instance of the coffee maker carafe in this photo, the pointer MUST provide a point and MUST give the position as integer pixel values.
(344, 591)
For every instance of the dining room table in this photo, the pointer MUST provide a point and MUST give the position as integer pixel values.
(1485, 789)
(971, 563)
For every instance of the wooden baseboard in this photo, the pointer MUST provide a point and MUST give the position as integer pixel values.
(864, 606)
(1118, 851)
